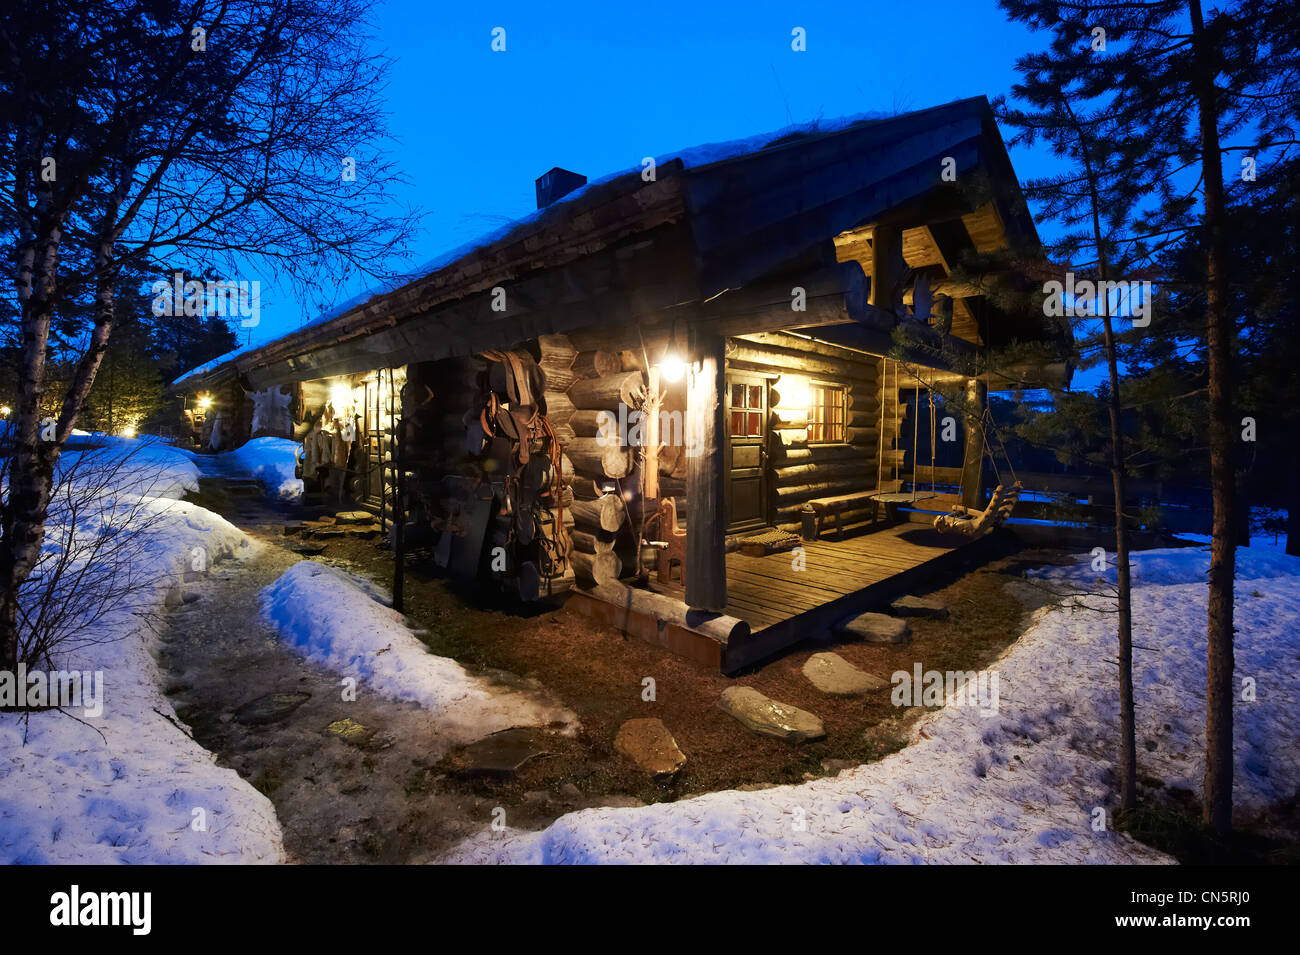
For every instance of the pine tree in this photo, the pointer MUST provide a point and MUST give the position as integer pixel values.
(1177, 91)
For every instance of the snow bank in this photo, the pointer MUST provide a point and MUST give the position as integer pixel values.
(1020, 786)
(143, 792)
(333, 619)
(272, 461)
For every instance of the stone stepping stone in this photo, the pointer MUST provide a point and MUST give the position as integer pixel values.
(929, 607)
(308, 549)
(365, 532)
(769, 717)
(836, 676)
(875, 628)
(353, 517)
(351, 732)
(499, 756)
(270, 708)
(648, 743)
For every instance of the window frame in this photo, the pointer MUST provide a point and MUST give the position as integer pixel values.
(843, 423)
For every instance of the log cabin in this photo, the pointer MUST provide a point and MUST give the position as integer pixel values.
(654, 396)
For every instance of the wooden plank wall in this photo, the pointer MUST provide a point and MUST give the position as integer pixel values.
(799, 471)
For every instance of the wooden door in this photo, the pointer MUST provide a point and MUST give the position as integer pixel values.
(746, 489)
(370, 475)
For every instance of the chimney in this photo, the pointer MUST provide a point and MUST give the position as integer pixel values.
(557, 184)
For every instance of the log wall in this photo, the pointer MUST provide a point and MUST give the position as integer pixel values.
(797, 469)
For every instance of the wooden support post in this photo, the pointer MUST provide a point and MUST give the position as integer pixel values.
(972, 469)
(650, 457)
(706, 556)
(886, 251)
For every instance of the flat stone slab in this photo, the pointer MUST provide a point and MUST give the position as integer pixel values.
(500, 755)
(836, 676)
(270, 708)
(876, 628)
(308, 549)
(929, 607)
(353, 517)
(351, 732)
(769, 717)
(648, 743)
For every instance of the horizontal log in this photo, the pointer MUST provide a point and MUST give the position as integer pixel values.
(669, 610)
(801, 344)
(606, 514)
(796, 474)
(789, 418)
(595, 459)
(607, 391)
(596, 364)
(830, 488)
(792, 360)
(593, 542)
(587, 423)
(597, 569)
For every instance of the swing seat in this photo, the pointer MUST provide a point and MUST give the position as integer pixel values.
(969, 522)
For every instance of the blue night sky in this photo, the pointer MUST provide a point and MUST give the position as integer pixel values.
(594, 87)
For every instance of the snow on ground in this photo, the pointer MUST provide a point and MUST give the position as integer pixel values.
(272, 462)
(337, 621)
(1020, 786)
(143, 792)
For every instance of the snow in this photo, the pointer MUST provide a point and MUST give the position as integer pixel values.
(1018, 787)
(272, 461)
(339, 621)
(144, 792)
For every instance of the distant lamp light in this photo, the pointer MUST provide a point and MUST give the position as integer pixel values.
(205, 402)
(127, 432)
(340, 397)
(5, 410)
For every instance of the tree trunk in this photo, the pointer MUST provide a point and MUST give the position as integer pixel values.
(1216, 804)
(1119, 478)
(1127, 714)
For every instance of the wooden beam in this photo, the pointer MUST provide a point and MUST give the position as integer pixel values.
(972, 470)
(706, 526)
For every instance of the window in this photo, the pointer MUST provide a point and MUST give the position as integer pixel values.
(746, 410)
(826, 414)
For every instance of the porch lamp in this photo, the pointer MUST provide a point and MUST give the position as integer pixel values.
(205, 402)
(672, 366)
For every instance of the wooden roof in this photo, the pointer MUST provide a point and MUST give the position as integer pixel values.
(624, 249)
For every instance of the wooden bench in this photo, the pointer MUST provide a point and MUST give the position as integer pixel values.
(814, 512)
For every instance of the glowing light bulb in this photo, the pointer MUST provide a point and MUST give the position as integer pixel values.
(672, 367)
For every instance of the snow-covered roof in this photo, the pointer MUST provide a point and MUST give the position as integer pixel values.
(692, 158)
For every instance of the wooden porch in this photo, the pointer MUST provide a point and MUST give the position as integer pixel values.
(841, 577)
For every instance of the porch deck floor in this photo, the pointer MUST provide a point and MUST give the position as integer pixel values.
(767, 591)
